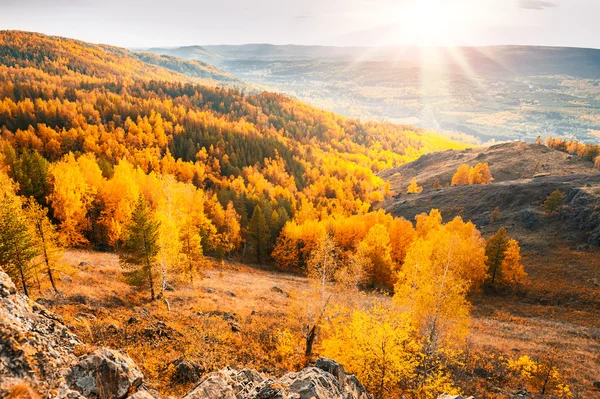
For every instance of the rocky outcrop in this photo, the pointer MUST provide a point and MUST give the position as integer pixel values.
(105, 374)
(35, 346)
(37, 349)
(327, 379)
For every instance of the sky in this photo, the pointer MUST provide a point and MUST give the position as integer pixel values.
(170, 23)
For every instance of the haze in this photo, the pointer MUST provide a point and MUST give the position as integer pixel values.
(137, 23)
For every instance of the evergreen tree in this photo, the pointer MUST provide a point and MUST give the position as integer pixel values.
(554, 202)
(258, 235)
(141, 247)
(17, 242)
(46, 238)
(495, 251)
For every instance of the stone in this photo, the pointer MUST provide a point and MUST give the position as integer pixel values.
(187, 370)
(327, 379)
(597, 384)
(105, 373)
(280, 291)
(141, 394)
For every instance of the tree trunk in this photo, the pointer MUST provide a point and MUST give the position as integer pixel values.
(48, 268)
(310, 339)
(23, 282)
(51, 277)
(151, 283)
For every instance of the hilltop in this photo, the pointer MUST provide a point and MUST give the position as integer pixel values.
(524, 175)
(59, 56)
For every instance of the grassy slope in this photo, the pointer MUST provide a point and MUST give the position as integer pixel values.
(99, 305)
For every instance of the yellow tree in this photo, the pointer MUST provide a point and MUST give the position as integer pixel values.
(413, 187)
(376, 247)
(233, 236)
(322, 266)
(377, 345)
(46, 239)
(513, 271)
(402, 234)
(480, 174)
(442, 265)
(119, 196)
(461, 176)
(190, 233)
(17, 239)
(71, 198)
(287, 253)
(169, 213)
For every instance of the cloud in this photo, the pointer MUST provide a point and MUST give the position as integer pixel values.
(535, 4)
(305, 15)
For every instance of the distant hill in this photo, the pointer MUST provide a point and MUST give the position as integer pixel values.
(59, 56)
(499, 92)
(194, 69)
(524, 175)
(155, 109)
(578, 62)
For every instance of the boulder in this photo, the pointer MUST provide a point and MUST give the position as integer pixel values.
(327, 379)
(105, 374)
(227, 384)
(188, 370)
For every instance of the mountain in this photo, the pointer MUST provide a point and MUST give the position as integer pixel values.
(62, 95)
(500, 92)
(61, 56)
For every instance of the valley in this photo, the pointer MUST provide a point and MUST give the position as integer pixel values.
(169, 229)
(491, 93)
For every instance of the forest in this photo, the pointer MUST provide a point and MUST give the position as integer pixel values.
(102, 151)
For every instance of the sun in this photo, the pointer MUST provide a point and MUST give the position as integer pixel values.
(426, 23)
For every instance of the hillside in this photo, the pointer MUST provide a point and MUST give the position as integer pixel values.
(499, 92)
(58, 56)
(507, 162)
(196, 227)
(100, 99)
(524, 175)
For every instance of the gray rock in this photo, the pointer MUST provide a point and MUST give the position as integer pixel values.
(326, 380)
(597, 384)
(188, 370)
(141, 394)
(35, 346)
(105, 374)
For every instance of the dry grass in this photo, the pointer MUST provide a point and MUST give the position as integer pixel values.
(104, 311)
(21, 390)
